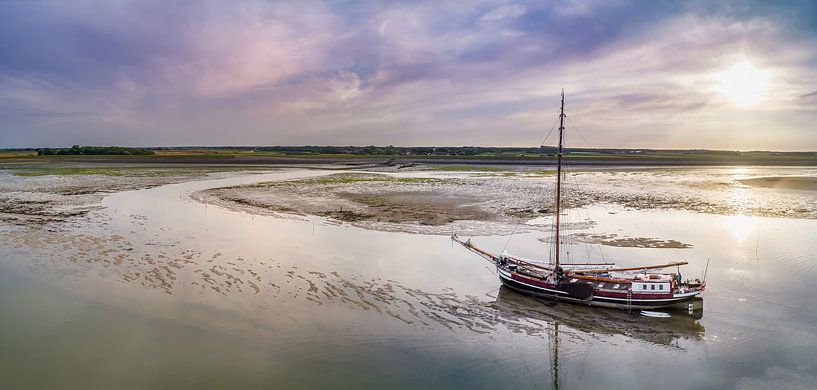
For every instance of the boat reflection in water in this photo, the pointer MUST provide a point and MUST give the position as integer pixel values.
(571, 325)
(518, 308)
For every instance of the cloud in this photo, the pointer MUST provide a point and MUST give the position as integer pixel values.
(507, 11)
(810, 94)
(475, 72)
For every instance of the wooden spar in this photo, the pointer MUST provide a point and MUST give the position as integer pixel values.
(599, 278)
(494, 257)
(529, 264)
(631, 268)
(474, 249)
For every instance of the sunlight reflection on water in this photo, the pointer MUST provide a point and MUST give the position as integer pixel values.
(740, 226)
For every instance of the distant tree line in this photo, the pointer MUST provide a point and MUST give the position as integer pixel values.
(402, 150)
(77, 150)
(392, 150)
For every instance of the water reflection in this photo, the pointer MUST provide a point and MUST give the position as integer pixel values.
(582, 322)
(170, 269)
(740, 226)
(739, 172)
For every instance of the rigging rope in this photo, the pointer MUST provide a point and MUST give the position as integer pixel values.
(574, 183)
(573, 124)
(553, 126)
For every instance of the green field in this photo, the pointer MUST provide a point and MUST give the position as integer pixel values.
(14, 154)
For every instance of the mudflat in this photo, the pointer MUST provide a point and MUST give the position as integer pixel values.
(378, 201)
(806, 183)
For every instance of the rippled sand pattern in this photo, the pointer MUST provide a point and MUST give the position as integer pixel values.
(162, 268)
(713, 190)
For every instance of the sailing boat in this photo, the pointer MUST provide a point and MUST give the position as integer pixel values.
(595, 284)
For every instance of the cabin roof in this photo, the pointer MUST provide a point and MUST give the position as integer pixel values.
(653, 278)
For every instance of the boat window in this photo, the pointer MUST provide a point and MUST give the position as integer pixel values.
(601, 285)
(652, 287)
(643, 286)
(661, 287)
(615, 286)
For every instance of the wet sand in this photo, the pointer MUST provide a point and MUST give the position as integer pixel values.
(385, 202)
(430, 202)
(804, 183)
(38, 194)
(623, 242)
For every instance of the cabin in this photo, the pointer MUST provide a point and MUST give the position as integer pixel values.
(651, 287)
(652, 284)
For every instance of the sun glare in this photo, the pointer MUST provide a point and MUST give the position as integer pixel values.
(743, 83)
(740, 226)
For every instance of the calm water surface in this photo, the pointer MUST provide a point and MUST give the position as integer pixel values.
(155, 290)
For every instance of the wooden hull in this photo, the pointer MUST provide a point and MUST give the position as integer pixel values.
(558, 293)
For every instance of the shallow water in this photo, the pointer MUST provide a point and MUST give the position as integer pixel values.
(157, 290)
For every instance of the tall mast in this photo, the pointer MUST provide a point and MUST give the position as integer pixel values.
(559, 176)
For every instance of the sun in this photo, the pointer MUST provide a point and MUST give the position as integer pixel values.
(743, 83)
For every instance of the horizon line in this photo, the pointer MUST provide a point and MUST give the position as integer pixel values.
(405, 147)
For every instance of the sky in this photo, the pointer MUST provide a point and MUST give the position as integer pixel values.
(737, 75)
